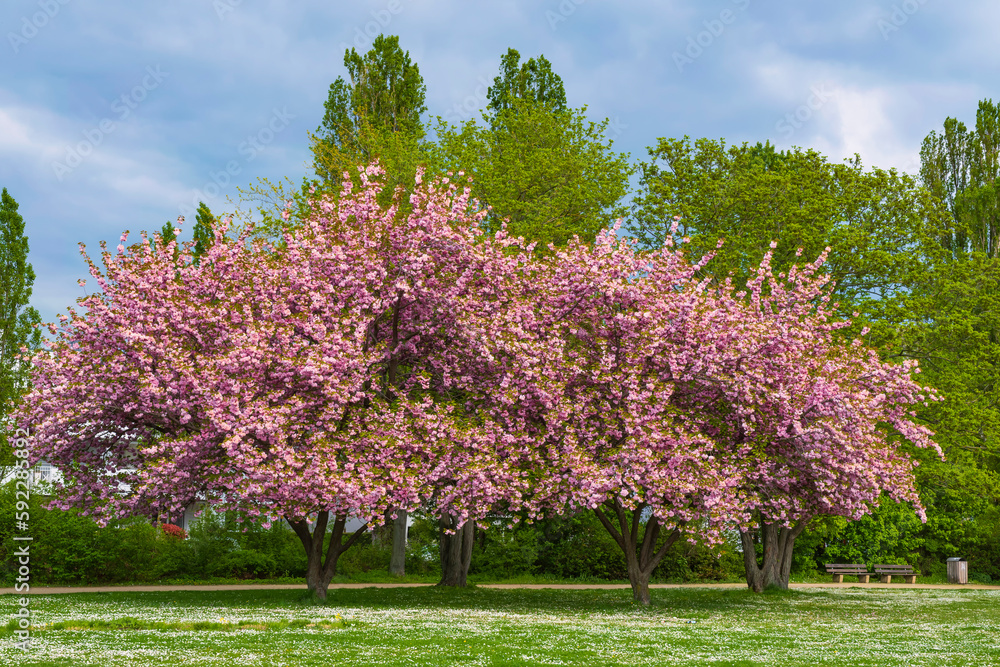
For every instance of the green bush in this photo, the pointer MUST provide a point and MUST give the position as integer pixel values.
(980, 578)
(245, 564)
(69, 548)
(578, 547)
(365, 557)
(501, 553)
(686, 561)
(890, 534)
(423, 556)
(174, 558)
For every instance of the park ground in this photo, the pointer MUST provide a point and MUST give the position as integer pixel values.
(811, 624)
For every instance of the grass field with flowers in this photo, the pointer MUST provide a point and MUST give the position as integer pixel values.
(479, 626)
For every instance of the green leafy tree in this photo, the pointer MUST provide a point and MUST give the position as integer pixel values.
(18, 321)
(545, 170)
(881, 226)
(532, 81)
(548, 175)
(954, 330)
(950, 324)
(962, 167)
(168, 233)
(385, 89)
(204, 235)
(375, 114)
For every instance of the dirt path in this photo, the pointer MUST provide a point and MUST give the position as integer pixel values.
(57, 590)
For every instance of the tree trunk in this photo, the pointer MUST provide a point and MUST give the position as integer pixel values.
(641, 554)
(320, 570)
(456, 550)
(775, 565)
(397, 566)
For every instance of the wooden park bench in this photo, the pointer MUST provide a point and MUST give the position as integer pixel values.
(838, 570)
(885, 573)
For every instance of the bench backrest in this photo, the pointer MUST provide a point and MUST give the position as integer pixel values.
(846, 568)
(893, 569)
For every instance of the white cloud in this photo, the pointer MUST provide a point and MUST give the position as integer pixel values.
(14, 135)
(226, 75)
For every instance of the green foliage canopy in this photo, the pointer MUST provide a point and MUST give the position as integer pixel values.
(881, 226)
(550, 174)
(532, 81)
(18, 320)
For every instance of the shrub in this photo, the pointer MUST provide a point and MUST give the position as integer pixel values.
(245, 564)
(170, 530)
(501, 553)
(423, 555)
(890, 534)
(578, 546)
(174, 558)
(365, 557)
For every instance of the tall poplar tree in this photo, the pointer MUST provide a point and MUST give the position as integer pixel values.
(544, 169)
(955, 333)
(374, 115)
(532, 81)
(18, 320)
(204, 235)
(962, 167)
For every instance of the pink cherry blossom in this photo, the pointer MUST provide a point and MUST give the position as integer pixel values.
(377, 361)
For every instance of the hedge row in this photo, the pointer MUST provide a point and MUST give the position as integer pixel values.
(71, 549)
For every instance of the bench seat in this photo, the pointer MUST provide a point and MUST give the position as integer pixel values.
(859, 570)
(886, 573)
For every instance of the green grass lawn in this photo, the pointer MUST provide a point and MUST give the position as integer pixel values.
(431, 626)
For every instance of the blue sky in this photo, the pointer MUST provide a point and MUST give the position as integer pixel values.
(120, 115)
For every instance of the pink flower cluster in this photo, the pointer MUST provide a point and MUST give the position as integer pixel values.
(170, 530)
(377, 360)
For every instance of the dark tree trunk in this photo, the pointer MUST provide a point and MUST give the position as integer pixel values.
(320, 570)
(773, 568)
(456, 550)
(641, 554)
(397, 566)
